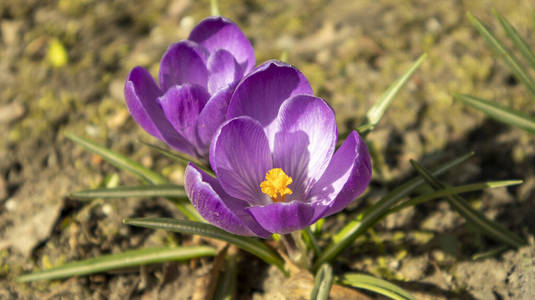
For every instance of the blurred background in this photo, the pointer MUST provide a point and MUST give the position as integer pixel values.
(62, 68)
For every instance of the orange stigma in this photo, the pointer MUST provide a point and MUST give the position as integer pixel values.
(276, 185)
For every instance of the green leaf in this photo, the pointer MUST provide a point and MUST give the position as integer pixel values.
(187, 209)
(142, 191)
(311, 241)
(354, 229)
(380, 286)
(448, 191)
(510, 60)
(118, 261)
(316, 227)
(517, 40)
(125, 163)
(226, 286)
(248, 244)
(284, 57)
(362, 130)
(322, 283)
(118, 160)
(499, 112)
(214, 8)
(181, 158)
(490, 253)
(470, 214)
(375, 114)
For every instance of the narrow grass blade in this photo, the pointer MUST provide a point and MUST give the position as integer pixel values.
(471, 215)
(376, 112)
(517, 40)
(499, 112)
(142, 191)
(310, 239)
(184, 226)
(448, 191)
(354, 229)
(125, 163)
(510, 60)
(118, 261)
(362, 130)
(186, 208)
(322, 283)
(226, 287)
(214, 8)
(317, 227)
(490, 253)
(181, 158)
(284, 57)
(379, 286)
(118, 160)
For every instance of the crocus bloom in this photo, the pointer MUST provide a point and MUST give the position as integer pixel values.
(196, 79)
(274, 159)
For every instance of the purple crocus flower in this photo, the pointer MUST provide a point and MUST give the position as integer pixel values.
(196, 79)
(274, 159)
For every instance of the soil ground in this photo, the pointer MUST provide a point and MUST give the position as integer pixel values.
(350, 51)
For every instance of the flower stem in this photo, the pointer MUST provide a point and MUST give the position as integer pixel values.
(296, 249)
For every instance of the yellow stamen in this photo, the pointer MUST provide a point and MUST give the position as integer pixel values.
(276, 185)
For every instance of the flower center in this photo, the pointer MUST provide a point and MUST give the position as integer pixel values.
(276, 185)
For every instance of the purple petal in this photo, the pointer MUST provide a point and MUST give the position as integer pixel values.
(346, 177)
(240, 157)
(183, 63)
(141, 94)
(211, 117)
(224, 71)
(182, 105)
(215, 33)
(261, 93)
(283, 217)
(140, 88)
(305, 141)
(217, 207)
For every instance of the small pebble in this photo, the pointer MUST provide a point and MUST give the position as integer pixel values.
(11, 112)
(118, 119)
(10, 32)
(187, 23)
(107, 209)
(10, 205)
(147, 161)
